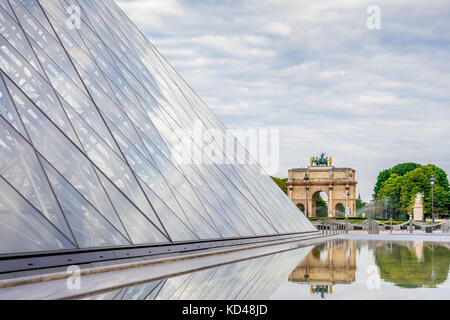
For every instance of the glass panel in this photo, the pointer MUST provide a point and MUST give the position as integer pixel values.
(22, 228)
(178, 227)
(179, 181)
(33, 7)
(225, 228)
(21, 168)
(90, 228)
(7, 109)
(61, 153)
(201, 226)
(111, 165)
(146, 171)
(34, 86)
(140, 229)
(14, 34)
(5, 5)
(44, 40)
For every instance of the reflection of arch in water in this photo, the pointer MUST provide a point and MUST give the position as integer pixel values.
(327, 264)
(413, 265)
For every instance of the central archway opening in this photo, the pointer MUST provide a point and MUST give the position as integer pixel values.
(301, 207)
(340, 210)
(320, 204)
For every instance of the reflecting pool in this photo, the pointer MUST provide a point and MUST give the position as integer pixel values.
(339, 269)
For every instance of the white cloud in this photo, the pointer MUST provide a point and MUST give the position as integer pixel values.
(279, 28)
(370, 99)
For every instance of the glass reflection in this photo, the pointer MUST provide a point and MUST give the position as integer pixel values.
(334, 270)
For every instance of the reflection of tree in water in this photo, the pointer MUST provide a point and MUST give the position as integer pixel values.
(407, 268)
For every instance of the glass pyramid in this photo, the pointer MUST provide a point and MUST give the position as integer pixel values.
(92, 122)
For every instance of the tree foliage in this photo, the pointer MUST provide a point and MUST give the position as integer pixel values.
(401, 190)
(281, 183)
(360, 204)
(320, 202)
(400, 169)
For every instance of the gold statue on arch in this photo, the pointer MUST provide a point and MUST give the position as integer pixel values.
(331, 161)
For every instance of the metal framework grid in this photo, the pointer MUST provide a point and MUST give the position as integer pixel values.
(93, 130)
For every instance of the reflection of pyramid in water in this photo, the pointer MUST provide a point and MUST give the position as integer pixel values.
(88, 118)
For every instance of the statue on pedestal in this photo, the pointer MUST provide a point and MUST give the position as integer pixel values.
(418, 208)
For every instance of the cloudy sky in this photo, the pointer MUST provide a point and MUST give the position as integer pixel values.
(312, 68)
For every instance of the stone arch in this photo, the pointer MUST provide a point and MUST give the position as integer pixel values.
(338, 183)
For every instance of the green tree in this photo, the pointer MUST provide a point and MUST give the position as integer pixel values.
(360, 204)
(399, 169)
(402, 190)
(419, 181)
(281, 183)
(382, 177)
(403, 168)
(391, 190)
(321, 207)
(320, 202)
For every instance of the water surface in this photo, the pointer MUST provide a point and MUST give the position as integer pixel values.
(339, 269)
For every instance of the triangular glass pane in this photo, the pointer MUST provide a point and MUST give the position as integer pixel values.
(33, 88)
(5, 5)
(140, 229)
(19, 165)
(203, 228)
(225, 227)
(32, 7)
(179, 229)
(90, 228)
(14, 34)
(22, 228)
(200, 184)
(179, 181)
(153, 179)
(62, 80)
(8, 111)
(61, 153)
(240, 224)
(234, 198)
